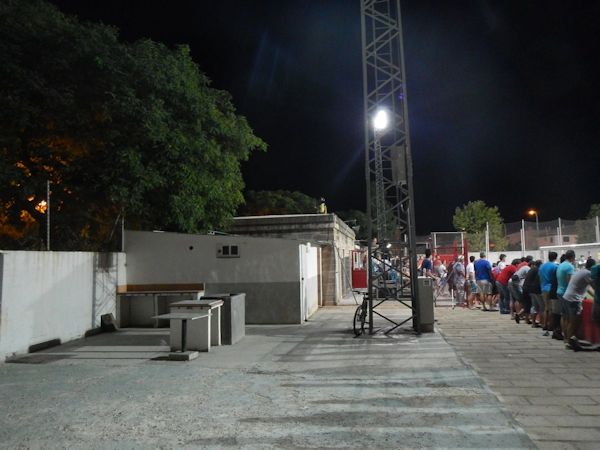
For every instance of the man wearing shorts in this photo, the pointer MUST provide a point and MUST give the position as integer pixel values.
(573, 303)
(547, 272)
(471, 286)
(483, 279)
(564, 271)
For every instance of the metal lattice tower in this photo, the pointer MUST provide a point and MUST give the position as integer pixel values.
(388, 164)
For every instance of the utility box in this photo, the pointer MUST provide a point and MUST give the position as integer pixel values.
(233, 316)
(425, 292)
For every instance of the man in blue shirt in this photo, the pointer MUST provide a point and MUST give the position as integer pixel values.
(483, 278)
(547, 272)
(563, 275)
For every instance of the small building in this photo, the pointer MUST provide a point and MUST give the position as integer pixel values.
(328, 231)
(280, 277)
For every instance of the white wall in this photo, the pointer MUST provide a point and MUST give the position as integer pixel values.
(53, 295)
(167, 258)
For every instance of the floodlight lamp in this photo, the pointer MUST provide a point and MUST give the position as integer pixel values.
(381, 120)
(532, 212)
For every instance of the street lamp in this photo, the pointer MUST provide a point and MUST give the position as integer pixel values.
(533, 212)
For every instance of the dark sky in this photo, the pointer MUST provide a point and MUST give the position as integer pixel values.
(503, 96)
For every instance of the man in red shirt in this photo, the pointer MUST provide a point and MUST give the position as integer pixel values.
(502, 284)
(525, 261)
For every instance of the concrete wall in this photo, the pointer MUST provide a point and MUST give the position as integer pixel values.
(326, 230)
(267, 269)
(54, 295)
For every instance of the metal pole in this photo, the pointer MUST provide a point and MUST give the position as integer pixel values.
(123, 232)
(48, 215)
(487, 238)
(523, 236)
(370, 290)
(560, 238)
(523, 244)
(597, 230)
(537, 223)
(412, 237)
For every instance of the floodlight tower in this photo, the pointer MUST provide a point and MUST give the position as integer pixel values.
(388, 162)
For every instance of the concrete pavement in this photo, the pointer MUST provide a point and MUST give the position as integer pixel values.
(552, 392)
(306, 386)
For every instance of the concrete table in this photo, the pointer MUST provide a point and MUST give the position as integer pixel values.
(184, 317)
(233, 316)
(213, 307)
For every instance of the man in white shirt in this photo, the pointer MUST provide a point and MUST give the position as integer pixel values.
(470, 270)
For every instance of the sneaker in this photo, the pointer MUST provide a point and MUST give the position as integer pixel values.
(573, 343)
(557, 335)
(546, 333)
(517, 318)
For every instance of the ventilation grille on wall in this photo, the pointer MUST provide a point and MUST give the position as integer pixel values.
(228, 251)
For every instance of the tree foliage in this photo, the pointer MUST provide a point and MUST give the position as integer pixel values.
(116, 127)
(594, 211)
(586, 229)
(472, 219)
(264, 203)
(358, 220)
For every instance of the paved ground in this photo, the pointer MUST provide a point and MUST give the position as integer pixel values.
(552, 392)
(309, 386)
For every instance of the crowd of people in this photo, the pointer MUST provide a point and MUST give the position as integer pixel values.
(544, 294)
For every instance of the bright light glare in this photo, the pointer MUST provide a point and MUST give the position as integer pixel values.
(532, 212)
(389, 245)
(381, 120)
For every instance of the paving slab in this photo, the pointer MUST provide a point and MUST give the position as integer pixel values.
(295, 386)
(553, 392)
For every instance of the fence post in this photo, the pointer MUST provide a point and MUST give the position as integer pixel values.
(123, 232)
(522, 242)
(597, 230)
(560, 238)
(48, 215)
(487, 239)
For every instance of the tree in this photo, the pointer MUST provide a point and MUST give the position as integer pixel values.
(472, 218)
(264, 203)
(117, 128)
(594, 211)
(354, 219)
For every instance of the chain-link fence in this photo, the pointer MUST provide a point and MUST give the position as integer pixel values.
(531, 235)
(448, 245)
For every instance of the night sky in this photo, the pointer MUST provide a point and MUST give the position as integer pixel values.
(503, 96)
